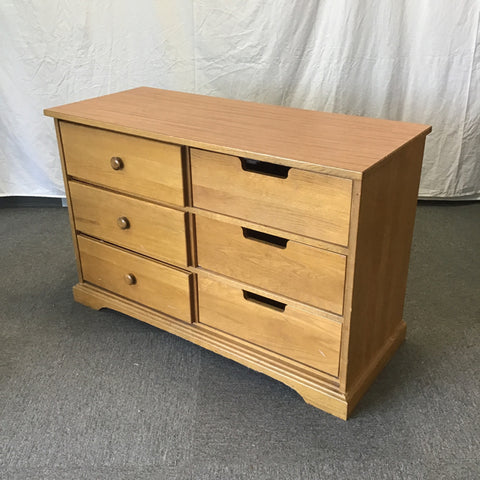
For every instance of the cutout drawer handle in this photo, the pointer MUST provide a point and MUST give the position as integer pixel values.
(264, 301)
(123, 223)
(116, 163)
(264, 168)
(130, 279)
(262, 237)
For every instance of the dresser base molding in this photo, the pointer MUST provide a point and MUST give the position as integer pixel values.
(316, 389)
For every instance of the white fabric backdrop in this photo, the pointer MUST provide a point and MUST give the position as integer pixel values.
(412, 60)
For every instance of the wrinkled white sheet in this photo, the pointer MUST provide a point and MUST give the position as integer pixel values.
(412, 60)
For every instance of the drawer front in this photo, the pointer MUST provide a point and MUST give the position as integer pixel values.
(143, 167)
(306, 203)
(147, 228)
(139, 279)
(286, 267)
(301, 336)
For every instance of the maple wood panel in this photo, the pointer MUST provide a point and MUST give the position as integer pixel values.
(296, 270)
(150, 229)
(385, 229)
(152, 284)
(294, 333)
(148, 168)
(307, 203)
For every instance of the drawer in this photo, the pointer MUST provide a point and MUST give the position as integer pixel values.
(144, 281)
(305, 203)
(124, 162)
(147, 228)
(308, 274)
(281, 328)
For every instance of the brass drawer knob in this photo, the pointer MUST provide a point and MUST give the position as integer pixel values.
(116, 163)
(123, 223)
(130, 279)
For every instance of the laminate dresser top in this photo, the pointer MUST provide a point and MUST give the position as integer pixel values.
(328, 142)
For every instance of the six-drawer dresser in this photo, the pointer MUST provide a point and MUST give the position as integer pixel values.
(274, 236)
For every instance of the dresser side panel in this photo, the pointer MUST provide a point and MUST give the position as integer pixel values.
(385, 229)
(349, 275)
(69, 200)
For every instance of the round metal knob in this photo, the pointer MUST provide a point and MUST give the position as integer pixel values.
(116, 163)
(130, 279)
(123, 223)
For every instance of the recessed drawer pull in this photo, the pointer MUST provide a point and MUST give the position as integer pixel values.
(123, 223)
(265, 301)
(264, 168)
(130, 279)
(273, 240)
(116, 163)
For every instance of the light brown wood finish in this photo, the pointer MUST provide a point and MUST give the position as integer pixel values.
(155, 285)
(346, 206)
(235, 283)
(349, 275)
(298, 271)
(221, 185)
(329, 142)
(69, 200)
(312, 242)
(385, 228)
(377, 363)
(150, 169)
(308, 339)
(152, 230)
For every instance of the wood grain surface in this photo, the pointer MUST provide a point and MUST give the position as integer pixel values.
(150, 169)
(153, 230)
(306, 203)
(69, 200)
(301, 272)
(329, 141)
(385, 229)
(309, 339)
(157, 286)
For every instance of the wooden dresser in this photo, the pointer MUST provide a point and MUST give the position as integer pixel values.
(274, 236)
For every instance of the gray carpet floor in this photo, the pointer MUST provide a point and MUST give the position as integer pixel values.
(99, 395)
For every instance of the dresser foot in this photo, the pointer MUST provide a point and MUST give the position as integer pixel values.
(384, 355)
(82, 294)
(343, 406)
(332, 403)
